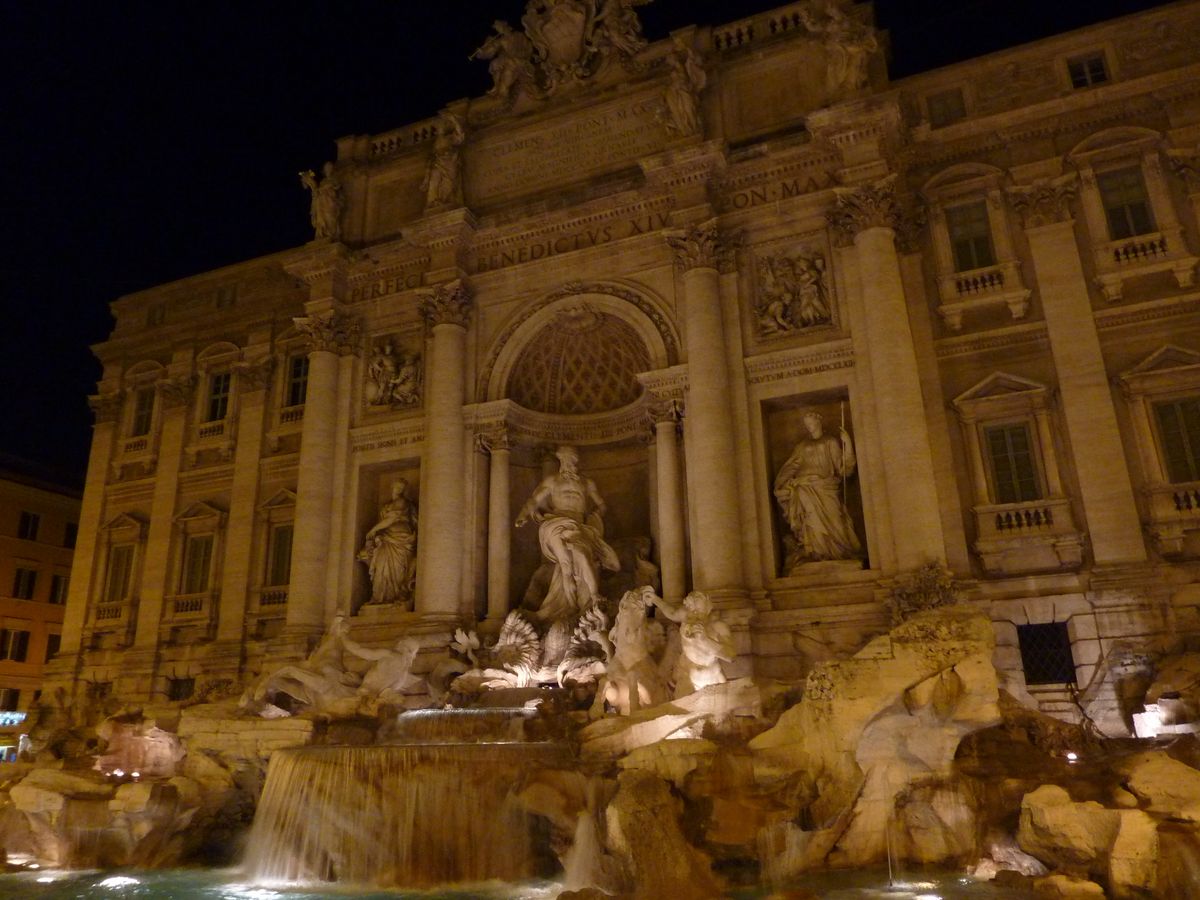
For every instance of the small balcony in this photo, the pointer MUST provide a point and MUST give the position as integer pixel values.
(1034, 536)
(1175, 518)
(273, 597)
(1143, 254)
(974, 289)
(190, 606)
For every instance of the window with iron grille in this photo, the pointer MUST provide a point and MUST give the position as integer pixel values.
(59, 584)
(1046, 653)
(24, 583)
(970, 236)
(1179, 433)
(218, 396)
(1014, 471)
(27, 527)
(1087, 71)
(180, 688)
(197, 559)
(297, 380)
(1123, 194)
(143, 412)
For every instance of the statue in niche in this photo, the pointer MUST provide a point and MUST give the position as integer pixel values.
(809, 489)
(326, 209)
(850, 43)
(443, 181)
(390, 549)
(393, 377)
(792, 293)
(510, 56)
(705, 642)
(570, 516)
(687, 80)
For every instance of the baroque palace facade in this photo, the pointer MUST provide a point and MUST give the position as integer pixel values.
(808, 331)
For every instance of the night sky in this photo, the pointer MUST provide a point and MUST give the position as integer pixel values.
(148, 141)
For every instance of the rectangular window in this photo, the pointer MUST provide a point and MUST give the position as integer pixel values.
(1046, 653)
(1010, 451)
(99, 690)
(53, 644)
(180, 688)
(58, 588)
(24, 582)
(14, 644)
(197, 556)
(1086, 71)
(1179, 429)
(970, 236)
(218, 396)
(297, 381)
(946, 107)
(27, 527)
(279, 555)
(120, 572)
(1123, 193)
(143, 412)
(70, 535)
(10, 699)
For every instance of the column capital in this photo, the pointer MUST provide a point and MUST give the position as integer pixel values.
(1185, 163)
(334, 331)
(494, 440)
(873, 205)
(255, 375)
(106, 406)
(702, 246)
(176, 392)
(449, 303)
(1046, 201)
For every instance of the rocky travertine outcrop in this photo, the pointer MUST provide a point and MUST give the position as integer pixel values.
(872, 727)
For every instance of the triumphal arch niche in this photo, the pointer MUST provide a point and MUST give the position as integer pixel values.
(570, 372)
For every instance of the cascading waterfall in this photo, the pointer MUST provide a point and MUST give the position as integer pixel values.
(401, 815)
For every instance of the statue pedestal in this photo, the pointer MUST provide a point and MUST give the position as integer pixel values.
(825, 569)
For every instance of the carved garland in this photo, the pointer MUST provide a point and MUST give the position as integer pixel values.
(176, 392)
(573, 289)
(255, 376)
(334, 331)
(1044, 202)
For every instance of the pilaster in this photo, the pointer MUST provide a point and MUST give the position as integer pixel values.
(1112, 517)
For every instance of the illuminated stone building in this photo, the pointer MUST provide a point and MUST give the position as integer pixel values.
(38, 524)
(666, 255)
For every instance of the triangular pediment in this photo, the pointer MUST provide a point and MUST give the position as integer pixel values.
(280, 499)
(123, 521)
(199, 510)
(1165, 359)
(999, 384)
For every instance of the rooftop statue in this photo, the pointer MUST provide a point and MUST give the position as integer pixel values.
(443, 181)
(569, 512)
(564, 41)
(326, 209)
(683, 90)
(850, 42)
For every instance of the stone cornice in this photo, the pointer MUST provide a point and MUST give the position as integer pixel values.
(784, 364)
(1150, 311)
(401, 433)
(996, 339)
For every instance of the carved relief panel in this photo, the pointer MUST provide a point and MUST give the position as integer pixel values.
(394, 374)
(793, 289)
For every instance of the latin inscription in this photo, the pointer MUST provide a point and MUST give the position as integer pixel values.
(566, 243)
(382, 287)
(770, 193)
(587, 145)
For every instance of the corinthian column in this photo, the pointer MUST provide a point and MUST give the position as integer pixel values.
(868, 219)
(330, 334)
(443, 495)
(670, 502)
(716, 536)
(499, 546)
(1114, 527)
